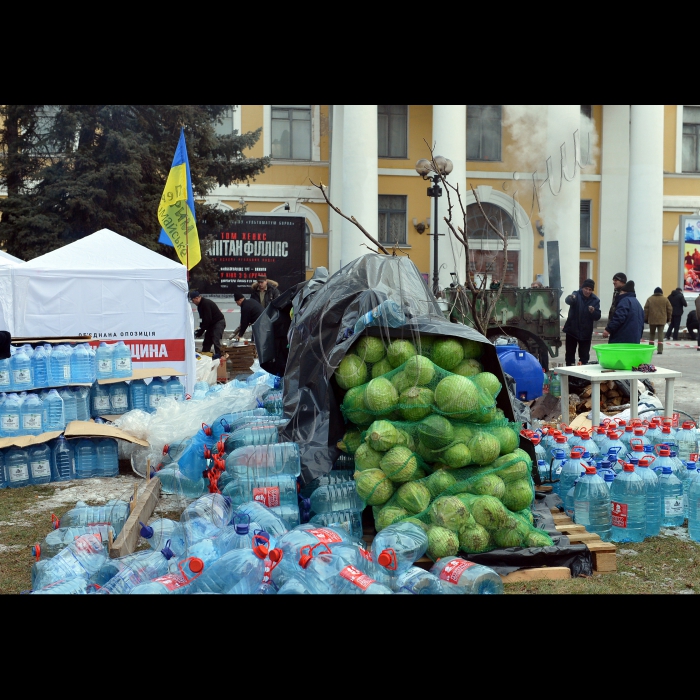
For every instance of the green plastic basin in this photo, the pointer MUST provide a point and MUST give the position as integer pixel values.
(624, 355)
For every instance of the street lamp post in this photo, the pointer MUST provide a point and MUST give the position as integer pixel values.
(424, 168)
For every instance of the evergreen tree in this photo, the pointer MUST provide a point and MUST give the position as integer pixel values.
(71, 170)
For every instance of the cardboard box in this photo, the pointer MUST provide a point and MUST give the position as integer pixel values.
(75, 429)
(222, 370)
(145, 374)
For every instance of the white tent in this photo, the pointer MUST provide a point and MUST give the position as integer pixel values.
(6, 258)
(109, 287)
(7, 262)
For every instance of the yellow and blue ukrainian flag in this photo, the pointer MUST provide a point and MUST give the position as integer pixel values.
(176, 210)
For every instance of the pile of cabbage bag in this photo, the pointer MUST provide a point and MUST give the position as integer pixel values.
(430, 445)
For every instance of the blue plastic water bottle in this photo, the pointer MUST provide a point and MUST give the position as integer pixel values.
(387, 315)
(569, 501)
(653, 496)
(164, 531)
(138, 568)
(63, 467)
(694, 508)
(281, 458)
(82, 402)
(398, 546)
(54, 412)
(81, 559)
(419, 582)
(99, 400)
(70, 405)
(174, 481)
(39, 464)
(175, 389)
(58, 540)
(326, 499)
(119, 398)
(10, 421)
(21, 367)
(59, 367)
(137, 395)
(3, 479)
(114, 513)
(85, 459)
(121, 355)
(350, 520)
(5, 376)
(609, 478)
(205, 517)
(107, 457)
(32, 415)
(690, 474)
(105, 362)
(271, 491)
(17, 468)
(467, 577)
(80, 369)
(628, 502)
(671, 499)
(267, 518)
(155, 393)
(40, 368)
(237, 571)
(173, 583)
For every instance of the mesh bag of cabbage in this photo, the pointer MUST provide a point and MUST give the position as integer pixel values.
(419, 388)
(473, 509)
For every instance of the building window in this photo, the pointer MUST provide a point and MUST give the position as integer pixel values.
(585, 223)
(225, 125)
(484, 132)
(291, 132)
(393, 131)
(392, 219)
(478, 228)
(691, 139)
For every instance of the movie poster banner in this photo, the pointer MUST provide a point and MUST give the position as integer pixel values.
(271, 245)
(689, 263)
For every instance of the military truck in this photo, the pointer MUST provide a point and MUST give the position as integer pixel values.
(529, 315)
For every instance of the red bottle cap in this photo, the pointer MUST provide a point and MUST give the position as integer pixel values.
(628, 467)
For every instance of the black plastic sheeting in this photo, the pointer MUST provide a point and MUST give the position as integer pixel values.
(576, 557)
(321, 336)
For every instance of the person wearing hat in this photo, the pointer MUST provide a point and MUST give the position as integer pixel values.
(627, 324)
(619, 280)
(678, 303)
(250, 313)
(265, 290)
(657, 313)
(584, 311)
(212, 323)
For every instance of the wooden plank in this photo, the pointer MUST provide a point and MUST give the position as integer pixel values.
(604, 562)
(544, 488)
(550, 573)
(129, 536)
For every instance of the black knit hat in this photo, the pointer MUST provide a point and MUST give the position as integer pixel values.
(620, 276)
(588, 283)
(629, 287)
(238, 296)
(194, 294)
(658, 290)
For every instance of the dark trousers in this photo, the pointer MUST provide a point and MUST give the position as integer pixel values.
(213, 337)
(674, 327)
(584, 350)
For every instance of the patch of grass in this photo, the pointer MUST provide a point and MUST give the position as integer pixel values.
(661, 565)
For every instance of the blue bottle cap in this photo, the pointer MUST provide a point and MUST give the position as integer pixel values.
(146, 531)
(668, 470)
(167, 552)
(691, 465)
(609, 476)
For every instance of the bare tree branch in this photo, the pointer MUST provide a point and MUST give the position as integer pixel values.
(352, 219)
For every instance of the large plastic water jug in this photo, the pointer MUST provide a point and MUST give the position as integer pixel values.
(5, 375)
(70, 405)
(85, 459)
(59, 365)
(155, 394)
(119, 398)
(82, 402)
(121, 356)
(17, 468)
(21, 367)
(3, 479)
(105, 361)
(10, 424)
(39, 464)
(524, 368)
(80, 365)
(137, 395)
(54, 412)
(107, 452)
(32, 415)
(63, 464)
(99, 400)
(40, 368)
(175, 389)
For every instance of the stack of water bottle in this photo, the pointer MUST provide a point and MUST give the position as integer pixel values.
(117, 398)
(219, 548)
(58, 460)
(625, 482)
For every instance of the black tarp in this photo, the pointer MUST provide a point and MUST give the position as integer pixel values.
(321, 336)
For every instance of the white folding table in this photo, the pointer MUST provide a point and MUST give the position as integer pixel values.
(596, 374)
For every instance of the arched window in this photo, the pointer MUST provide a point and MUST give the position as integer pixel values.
(500, 218)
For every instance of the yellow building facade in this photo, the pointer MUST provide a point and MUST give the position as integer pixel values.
(607, 183)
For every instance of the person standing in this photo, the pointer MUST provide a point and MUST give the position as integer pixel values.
(678, 303)
(627, 324)
(212, 323)
(265, 290)
(619, 280)
(697, 316)
(584, 311)
(251, 311)
(657, 313)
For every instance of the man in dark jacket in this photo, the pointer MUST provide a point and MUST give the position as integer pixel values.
(619, 280)
(657, 313)
(678, 303)
(691, 324)
(212, 323)
(583, 312)
(250, 313)
(627, 325)
(265, 290)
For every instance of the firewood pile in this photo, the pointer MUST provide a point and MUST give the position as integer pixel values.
(613, 398)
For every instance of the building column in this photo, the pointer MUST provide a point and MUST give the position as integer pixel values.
(450, 141)
(562, 212)
(360, 180)
(646, 199)
(614, 191)
(335, 194)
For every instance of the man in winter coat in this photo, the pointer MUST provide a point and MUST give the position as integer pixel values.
(657, 313)
(265, 290)
(212, 323)
(678, 303)
(250, 313)
(583, 312)
(627, 325)
(619, 280)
